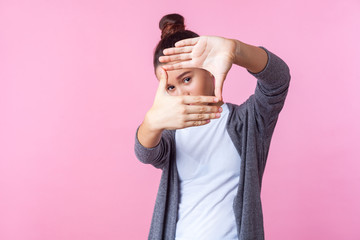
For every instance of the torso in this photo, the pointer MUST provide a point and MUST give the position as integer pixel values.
(209, 168)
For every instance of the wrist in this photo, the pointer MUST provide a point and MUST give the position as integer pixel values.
(238, 58)
(151, 124)
(148, 137)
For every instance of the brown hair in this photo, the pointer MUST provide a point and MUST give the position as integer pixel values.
(172, 30)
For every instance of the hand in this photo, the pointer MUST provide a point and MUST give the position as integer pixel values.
(214, 54)
(175, 112)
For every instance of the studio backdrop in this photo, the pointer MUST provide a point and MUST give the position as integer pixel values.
(76, 80)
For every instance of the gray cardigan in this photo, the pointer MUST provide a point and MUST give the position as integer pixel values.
(250, 127)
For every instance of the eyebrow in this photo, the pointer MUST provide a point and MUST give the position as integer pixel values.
(181, 75)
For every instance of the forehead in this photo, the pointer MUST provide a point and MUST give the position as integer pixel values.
(173, 74)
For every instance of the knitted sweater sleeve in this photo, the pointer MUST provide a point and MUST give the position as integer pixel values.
(268, 100)
(157, 156)
(271, 90)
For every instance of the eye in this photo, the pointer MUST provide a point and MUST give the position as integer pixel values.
(170, 88)
(186, 80)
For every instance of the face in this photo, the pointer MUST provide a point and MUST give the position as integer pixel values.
(189, 81)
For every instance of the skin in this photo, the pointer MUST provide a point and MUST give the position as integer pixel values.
(193, 82)
(194, 101)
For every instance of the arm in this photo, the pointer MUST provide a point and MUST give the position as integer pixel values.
(252, 58)
(270, 92)
(273, 77)
(158, 155)
(272, 72)
(268, 100)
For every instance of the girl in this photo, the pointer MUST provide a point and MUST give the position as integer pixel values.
(212, 154)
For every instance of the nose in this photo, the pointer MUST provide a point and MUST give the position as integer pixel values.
(181, 92)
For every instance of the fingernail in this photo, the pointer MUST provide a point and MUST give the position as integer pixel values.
(216, 99)
(220, 109)
(217, 115)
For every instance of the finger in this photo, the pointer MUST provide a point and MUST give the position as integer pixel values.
(219, 83)
(201, 117)
(177, 50)
(198, 99)
(191, 109)
(162, 81)
(187, 42)
(179, 57)
(178, 65)
(195, 123)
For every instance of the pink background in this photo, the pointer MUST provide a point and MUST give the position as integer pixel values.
(76, 79)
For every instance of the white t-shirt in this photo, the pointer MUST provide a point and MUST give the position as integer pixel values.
(209, 168)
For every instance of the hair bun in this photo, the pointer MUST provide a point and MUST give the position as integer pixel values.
(170, 24)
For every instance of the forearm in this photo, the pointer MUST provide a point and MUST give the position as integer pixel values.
(250, 57)
(147, 136)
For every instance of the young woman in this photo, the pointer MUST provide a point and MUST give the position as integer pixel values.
(212, 154)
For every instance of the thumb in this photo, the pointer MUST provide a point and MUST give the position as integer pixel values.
(219, 83)
(162, 81)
